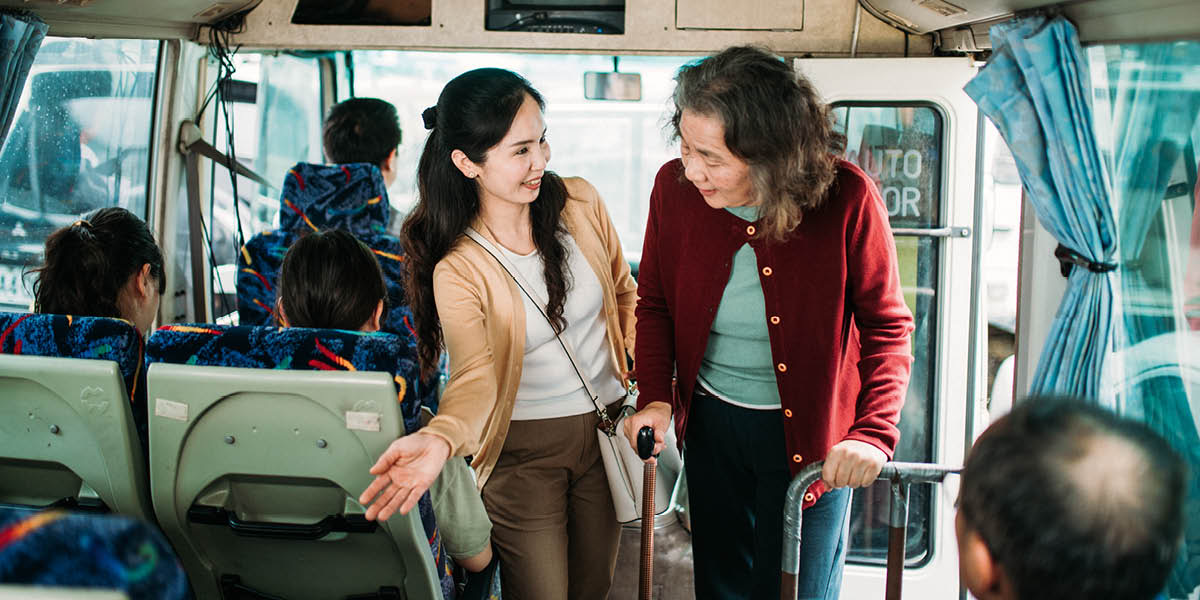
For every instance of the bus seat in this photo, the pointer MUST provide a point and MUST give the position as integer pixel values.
(350, 197)
(256, 466)
(74, 401)
(86, 556)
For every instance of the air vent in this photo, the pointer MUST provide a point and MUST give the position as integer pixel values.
(942, 7)
(902, 21)
(211, 13)
(68, 3)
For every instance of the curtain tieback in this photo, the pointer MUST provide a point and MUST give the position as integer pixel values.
(1068, 258)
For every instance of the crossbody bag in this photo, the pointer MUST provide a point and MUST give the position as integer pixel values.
(621, 463)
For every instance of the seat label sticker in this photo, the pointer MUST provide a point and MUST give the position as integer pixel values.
(169, 409)
(362, 421)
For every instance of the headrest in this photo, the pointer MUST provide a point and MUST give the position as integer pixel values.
(67, 336)
(350, 197)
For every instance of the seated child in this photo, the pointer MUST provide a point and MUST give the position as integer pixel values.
(103, 265)
(330, 280)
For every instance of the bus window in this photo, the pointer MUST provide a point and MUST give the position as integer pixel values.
(80, 141)
(1001, 200)
(899, 145)
(275, 115)
(617, 146)
(1147, 123)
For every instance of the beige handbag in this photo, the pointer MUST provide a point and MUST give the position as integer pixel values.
(621, 462)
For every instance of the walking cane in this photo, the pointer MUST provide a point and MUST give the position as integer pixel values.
(645, 444)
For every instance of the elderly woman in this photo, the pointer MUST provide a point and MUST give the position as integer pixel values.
(769, 288)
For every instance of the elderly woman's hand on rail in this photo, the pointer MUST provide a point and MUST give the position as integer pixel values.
(406, 469)
(852, 463)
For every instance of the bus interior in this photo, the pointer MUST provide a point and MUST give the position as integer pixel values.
(189, 113)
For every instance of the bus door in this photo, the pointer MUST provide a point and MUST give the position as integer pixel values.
(910, 127)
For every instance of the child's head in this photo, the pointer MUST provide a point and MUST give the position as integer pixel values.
(330, 280)
(363, 130)
(103, 265)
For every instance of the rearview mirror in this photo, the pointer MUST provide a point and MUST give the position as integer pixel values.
(599, 85)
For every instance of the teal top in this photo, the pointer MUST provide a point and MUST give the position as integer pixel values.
(737, 363)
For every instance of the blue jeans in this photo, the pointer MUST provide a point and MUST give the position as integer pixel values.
(737, 476)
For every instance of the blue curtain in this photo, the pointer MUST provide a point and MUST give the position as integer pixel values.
(1035, 88)
(21, 35)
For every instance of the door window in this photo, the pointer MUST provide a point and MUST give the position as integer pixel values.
(899, 146)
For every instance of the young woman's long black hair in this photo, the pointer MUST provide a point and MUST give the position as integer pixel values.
(473, 113)
(88, 263)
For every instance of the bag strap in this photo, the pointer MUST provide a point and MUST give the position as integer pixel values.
(609, 426)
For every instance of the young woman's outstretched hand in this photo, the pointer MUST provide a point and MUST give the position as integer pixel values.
(657, 415)
(406, 469)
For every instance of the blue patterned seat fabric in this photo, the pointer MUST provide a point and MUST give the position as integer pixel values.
(306, 349)
(99, 338)
(350, 197)
(61, 549)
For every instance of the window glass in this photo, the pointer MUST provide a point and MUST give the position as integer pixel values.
(617, 146)
(1001, 202)
(900, 147)
(275, 115)
(1147, 123)
(80, 140)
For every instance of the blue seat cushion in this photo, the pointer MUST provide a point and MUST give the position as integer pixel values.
(56, 548)
(99, 338)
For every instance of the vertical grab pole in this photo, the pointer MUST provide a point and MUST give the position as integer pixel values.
(645, 444)
(897, 538)
(792, 521)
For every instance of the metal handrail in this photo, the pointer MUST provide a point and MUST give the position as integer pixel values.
(900, 475)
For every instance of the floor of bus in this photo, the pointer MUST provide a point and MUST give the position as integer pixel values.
(672, 563)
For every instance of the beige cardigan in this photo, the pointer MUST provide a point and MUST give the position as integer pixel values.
(483, 321)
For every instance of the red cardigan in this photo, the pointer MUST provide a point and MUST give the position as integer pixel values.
(838, 323)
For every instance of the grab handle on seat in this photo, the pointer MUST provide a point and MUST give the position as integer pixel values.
(213, 515)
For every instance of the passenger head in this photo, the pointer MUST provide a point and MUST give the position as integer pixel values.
(363, 130)
(330, 280)
(754, 132)
(1065, 500)
(103, 265)
(486, 146)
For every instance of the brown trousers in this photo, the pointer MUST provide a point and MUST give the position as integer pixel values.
(553, 524)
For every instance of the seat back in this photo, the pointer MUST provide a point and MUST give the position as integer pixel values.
(68, 433)
(350, 197)
(256, 467)
(353, 198)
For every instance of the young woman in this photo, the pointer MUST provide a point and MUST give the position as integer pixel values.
(103, 265)
(514, 400)
(331, 280)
